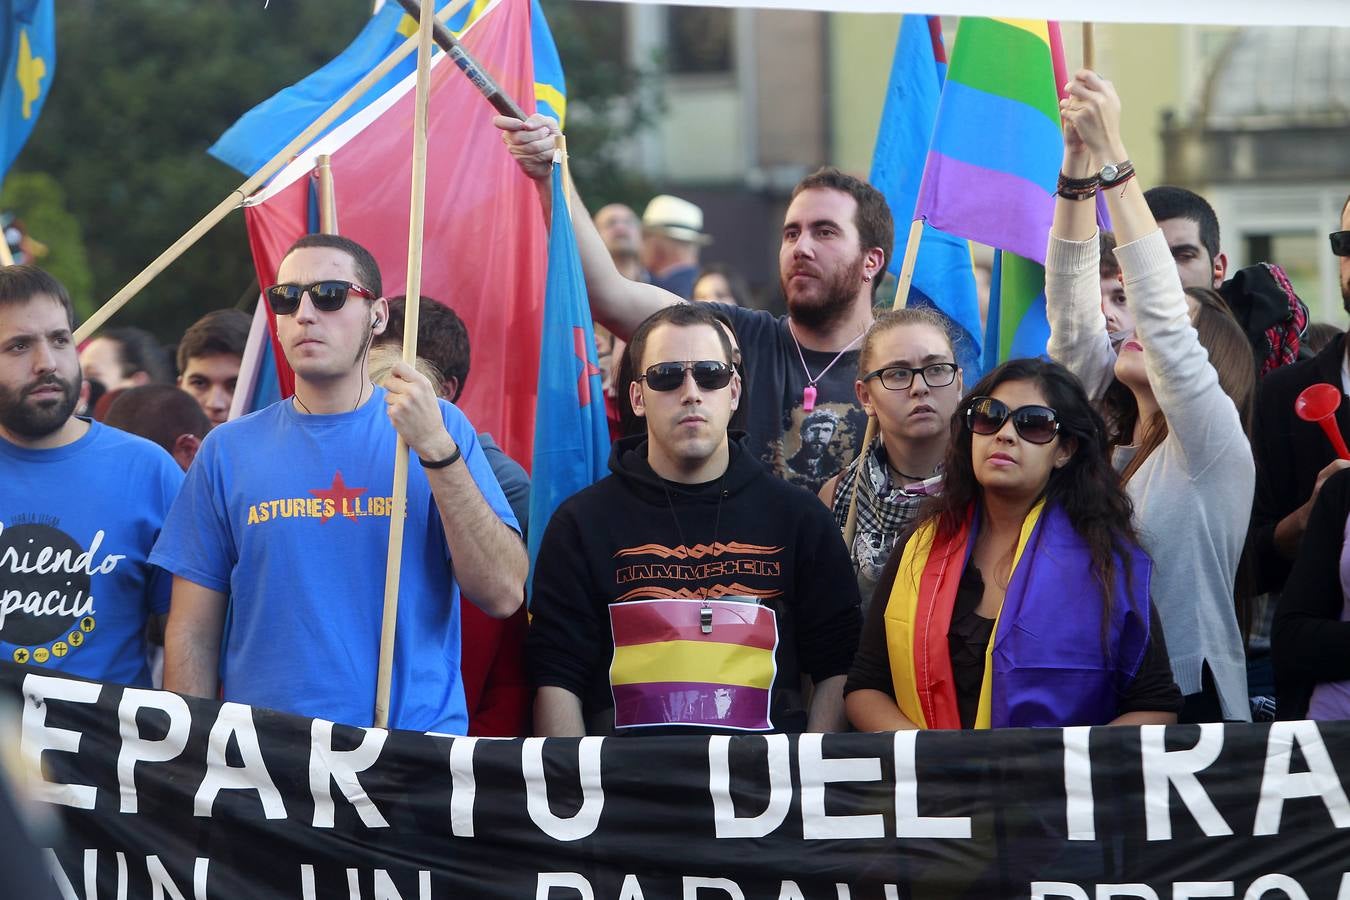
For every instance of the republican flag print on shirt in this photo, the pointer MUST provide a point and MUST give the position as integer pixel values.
(675, 664)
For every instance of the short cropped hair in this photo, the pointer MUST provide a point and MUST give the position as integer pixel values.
(157, 412)
(1171, 202)
(442, 338)
(219, 332)
(367, 270)
(681, 315)
(140, 351)
(19, 284)
(876, 227)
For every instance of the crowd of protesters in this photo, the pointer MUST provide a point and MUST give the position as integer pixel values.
(814, 521)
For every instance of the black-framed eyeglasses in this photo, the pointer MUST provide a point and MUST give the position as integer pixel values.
(1340, 243)
(1036, 424)
(327, 296)
(899, 378)
(709, 375)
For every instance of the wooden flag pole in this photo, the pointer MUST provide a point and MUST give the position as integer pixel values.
(327, 199)
(901, 298)
(389, 627)
(257, 180)
(1089, 47)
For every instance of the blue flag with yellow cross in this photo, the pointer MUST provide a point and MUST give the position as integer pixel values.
(28, 45)
(264, 130)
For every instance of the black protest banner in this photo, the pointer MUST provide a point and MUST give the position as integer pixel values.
(162, 796)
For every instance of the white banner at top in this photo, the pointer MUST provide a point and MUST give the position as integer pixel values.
(1193, 12)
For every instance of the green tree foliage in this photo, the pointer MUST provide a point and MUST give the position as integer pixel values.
(142, 88)
(37, 199)
(610, 101)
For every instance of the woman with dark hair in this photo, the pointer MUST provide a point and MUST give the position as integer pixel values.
(1021, 598)
(1180, 422)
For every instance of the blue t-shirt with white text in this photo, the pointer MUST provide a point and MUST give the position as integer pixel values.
(76, 527)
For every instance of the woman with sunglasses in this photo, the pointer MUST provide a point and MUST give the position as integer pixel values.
(909, 380)
(1183, 452)
(1021, 598)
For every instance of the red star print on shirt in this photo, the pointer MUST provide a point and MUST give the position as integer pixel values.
(338, 493)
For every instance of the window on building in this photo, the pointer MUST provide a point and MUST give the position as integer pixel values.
(701, 40)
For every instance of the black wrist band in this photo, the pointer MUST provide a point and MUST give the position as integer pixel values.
(441, 463)
(1077, 188)
(1075, 185)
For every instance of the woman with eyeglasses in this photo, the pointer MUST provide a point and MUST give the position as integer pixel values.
(908, 378)
(1021, 599)
(1182, 451)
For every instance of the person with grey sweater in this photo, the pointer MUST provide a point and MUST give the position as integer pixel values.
(1183, 451)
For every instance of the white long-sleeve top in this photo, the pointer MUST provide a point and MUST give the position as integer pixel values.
(1193, 495)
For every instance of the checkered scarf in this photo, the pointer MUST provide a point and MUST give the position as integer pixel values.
(885, 507)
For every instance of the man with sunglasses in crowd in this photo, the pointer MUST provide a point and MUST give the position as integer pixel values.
(279, 540)
(689, 591)
(836, 238)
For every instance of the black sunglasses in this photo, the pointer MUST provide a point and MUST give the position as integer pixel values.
(709, 375)
(899, 378)
(1037, 424)
(1340, 243)
(327, 296)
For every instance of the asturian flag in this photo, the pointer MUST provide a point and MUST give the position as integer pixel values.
(28, 57)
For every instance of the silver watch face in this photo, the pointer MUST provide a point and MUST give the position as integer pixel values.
(1110, 171)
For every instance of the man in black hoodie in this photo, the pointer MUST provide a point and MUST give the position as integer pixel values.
(689, 590)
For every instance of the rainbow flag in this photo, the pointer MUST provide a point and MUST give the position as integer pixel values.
(670, 668)
(993, 164)
(943, 276)
(994, 158)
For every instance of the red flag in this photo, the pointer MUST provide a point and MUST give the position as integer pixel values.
(484, 251)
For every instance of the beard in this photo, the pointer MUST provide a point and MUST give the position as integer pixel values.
(1345, 293)
(837, 291)
(34, 420)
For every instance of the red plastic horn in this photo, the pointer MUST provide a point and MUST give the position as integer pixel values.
(1318, 403)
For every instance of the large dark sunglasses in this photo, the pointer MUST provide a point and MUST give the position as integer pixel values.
(709, 375)
(327, 296)
(1340, 243)
(1037, 424)
(899, 378)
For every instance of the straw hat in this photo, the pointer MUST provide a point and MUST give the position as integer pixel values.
(675, 218)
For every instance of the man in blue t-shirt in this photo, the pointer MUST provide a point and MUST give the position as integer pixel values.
(279, 539)
(80, 503)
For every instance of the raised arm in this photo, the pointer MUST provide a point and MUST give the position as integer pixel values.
(616, 302)
(1184, 383)
(1078, 336)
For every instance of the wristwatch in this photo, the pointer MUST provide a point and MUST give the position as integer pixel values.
(1114, 173)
